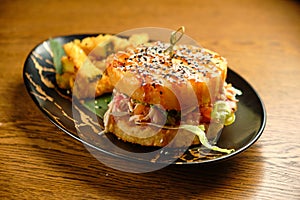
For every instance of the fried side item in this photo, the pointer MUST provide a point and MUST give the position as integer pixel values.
(85, 62)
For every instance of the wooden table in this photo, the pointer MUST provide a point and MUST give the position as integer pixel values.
(261, 41)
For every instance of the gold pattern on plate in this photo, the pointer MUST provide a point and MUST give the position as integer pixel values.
(86, 120)
(42, 69)
(38, 88)
(48, 49)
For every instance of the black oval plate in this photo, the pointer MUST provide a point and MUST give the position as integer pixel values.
(39, 78)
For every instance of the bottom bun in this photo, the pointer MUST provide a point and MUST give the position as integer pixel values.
(149, 135)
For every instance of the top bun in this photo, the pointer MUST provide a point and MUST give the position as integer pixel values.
(150, 75)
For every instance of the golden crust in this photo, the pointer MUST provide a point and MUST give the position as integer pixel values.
(143, 83)
(91, 89)
(149, 135)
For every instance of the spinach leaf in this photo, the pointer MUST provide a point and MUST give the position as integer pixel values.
(58, 52)
(98, 105)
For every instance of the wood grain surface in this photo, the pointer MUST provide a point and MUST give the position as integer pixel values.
(261, 41)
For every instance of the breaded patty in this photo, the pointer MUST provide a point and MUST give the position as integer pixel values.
(148, 74)
(150, 135)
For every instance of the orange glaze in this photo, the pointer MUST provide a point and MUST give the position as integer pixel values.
(148, 74)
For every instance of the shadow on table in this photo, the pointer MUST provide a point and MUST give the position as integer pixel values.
(187, 181)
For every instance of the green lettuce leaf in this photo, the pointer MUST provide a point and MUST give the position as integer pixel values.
(199, 131)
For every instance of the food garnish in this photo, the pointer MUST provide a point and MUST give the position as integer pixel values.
(58, 53)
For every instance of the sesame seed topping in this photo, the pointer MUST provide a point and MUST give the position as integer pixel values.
(151, 63)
